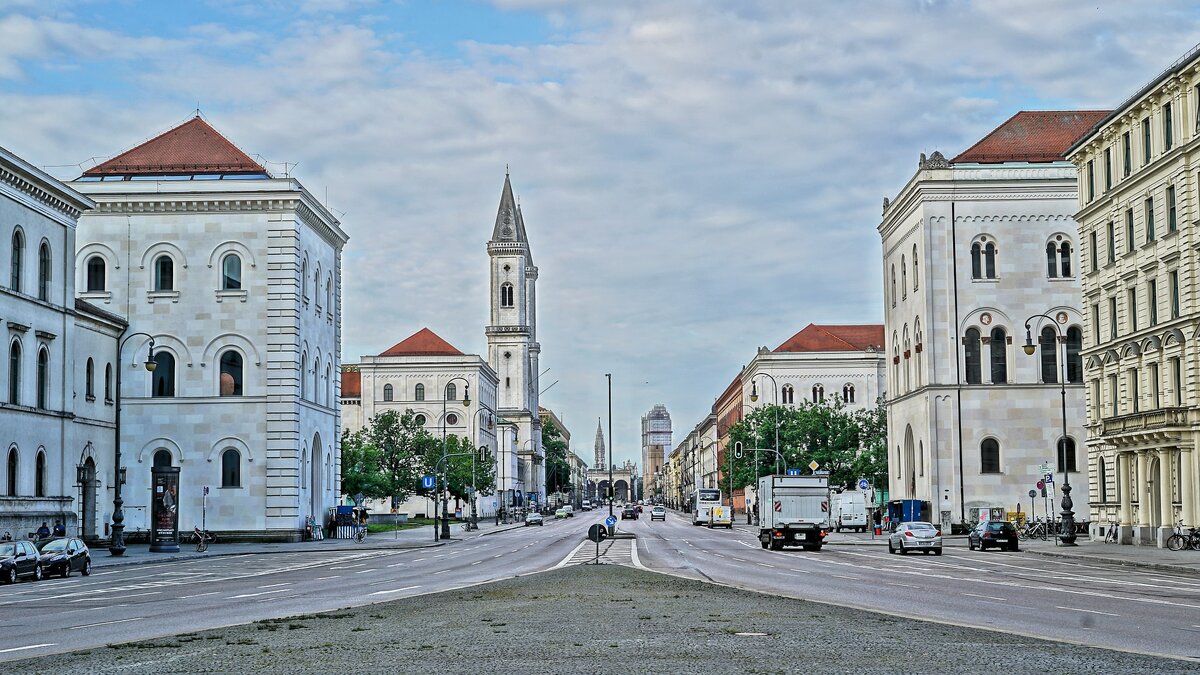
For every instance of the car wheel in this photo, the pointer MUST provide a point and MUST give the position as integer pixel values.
(763, 542)
(38, 575)
(903, 551)
(970, 545)
(937, 551)
(87, 567)
(891, 549)
(11, 577)
(66, 573)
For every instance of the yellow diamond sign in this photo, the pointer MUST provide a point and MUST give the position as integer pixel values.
(813, 465)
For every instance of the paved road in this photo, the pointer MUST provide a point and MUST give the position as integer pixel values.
(1116, 607)
(119, 604)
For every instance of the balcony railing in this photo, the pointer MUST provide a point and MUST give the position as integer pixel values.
(1146, 421)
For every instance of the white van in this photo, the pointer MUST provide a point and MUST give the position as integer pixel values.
(849, 510)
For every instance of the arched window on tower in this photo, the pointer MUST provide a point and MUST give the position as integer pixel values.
(1074, 360)
(44, 272)
(999, 356)
(1049, 347)
(231, 468)
(39, 475)
(451, 392)
(43, 379)
(818, 393)
(231, 272)
(419, 393)
(162, 380)
(108, 383)
(989, 260)
(506, 295)
(976, 261)
(1066, 455)
(96, 273)
(1051, 260)
(231, 373)
(303, 376)
(13, 466)
(903, 278)
(17, 261)
(916, 271)
(989, 456)
(164, 273)
(1064, 253)
(893, 285)
(89, 380)
(973, 356)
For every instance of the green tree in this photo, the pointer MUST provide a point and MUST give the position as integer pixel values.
(558, 469)
(458, 465)
(871, 462)
(360, 466)
(403, 446)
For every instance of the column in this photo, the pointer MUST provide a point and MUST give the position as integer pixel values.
(1125, 489)
(1166, 488)
(1139, 484)
(1188, 487)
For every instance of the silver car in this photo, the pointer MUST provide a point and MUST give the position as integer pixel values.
(534, 518)
(915, 536)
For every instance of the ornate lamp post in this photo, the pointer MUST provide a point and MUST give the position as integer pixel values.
(754, 399)
(116, 544)
(483, 450)
(445, 482)
(1067, 536)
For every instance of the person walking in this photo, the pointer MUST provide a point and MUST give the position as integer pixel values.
(59, 529)
(43, 531)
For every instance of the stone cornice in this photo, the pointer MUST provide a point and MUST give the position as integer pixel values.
(38, 197)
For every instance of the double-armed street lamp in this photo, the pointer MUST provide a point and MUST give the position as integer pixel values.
(483, 450)
(445, 528)
(1067, 535)
(116, 544)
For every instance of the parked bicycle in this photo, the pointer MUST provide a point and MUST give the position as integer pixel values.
(1110, 537)
(1184, 538)
(202, 538)
(1035, 530)
(360, 533)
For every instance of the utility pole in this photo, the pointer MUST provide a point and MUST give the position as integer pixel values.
(610, 445)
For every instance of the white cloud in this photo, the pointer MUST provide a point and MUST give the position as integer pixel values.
(697, 179)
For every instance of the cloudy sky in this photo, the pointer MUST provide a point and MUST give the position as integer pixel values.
(698, 178)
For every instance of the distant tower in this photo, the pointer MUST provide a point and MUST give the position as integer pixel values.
(601, 460)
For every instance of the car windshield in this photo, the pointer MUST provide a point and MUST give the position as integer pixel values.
(8, 550)
(921, 526)
(998, 527)
(56, 545)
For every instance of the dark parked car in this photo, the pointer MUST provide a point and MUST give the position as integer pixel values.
(629, 512)
(1000, 534)
(63, 556)
(19, 559)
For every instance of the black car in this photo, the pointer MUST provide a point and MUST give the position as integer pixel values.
(19, 559)
(998, 534)
(63, 555)
(629, 512)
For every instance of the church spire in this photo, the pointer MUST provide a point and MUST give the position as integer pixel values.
(601, 462)
(507, 224)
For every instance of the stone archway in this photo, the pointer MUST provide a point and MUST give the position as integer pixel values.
(909, 465)
(87, 528)
(1154, 496)
(621, 490)
(315, 491)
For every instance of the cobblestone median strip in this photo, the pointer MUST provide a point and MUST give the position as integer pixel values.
(597, 618)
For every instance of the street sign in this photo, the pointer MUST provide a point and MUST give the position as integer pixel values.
(1049, 478)
(205, 490)
(428, 482)
(1040, 486)
(358, 499)
(864, 484)
(793, 472)
(610, 521)
(1032, 494)
(597, 533)
(813, 465)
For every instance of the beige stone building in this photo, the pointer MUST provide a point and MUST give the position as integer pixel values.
(1138, 210)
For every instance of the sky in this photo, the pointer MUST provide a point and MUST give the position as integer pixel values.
(698, 179)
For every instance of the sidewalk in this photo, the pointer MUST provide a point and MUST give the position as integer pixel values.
(413, 538)
(1148, 557)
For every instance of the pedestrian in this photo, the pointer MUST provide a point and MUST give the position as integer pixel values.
(59, 529)
(43, 531)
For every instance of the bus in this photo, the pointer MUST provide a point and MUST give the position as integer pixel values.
(707, 509)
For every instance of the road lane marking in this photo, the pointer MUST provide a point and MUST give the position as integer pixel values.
(255, 595)
(633, 552)
(441, 572)
(897, 583)
(21, 649)
(198, 595)
(1089, 611)
(285, 583)
(476, 562)
(364, 571)
(987, 597)
(334, 576)
(131, 595)
(746, 545)
(840, 576)
(765, 565)
(395, 590)
(800, 571)
(105, 623)
(570, 555)
(398, 564)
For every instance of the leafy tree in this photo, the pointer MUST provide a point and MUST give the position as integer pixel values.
(403, 447)
(360, 466)
(871, 462)
(459, 465)
(558, 469)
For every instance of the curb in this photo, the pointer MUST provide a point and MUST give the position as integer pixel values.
(129, 562)
(498, 530)
(1161, 567)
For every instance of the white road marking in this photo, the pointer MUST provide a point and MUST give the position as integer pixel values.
(254, 595)
(21, 649)
(896, 583)
(1089, 611)
(987, 597)
(395, 590)
(633, 552)
(189, 597)
(765, 565)
(801, 571)
(335, 576)
(840, 576)
(746, 545)
(364, 571)
(285, 583)
(476, 562)
(570, 555)
(397, 565)
(105, 623)
(441, 572)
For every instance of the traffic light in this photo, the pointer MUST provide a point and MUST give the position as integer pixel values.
(737, 449)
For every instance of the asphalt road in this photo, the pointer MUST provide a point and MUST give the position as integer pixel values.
(1132, 610)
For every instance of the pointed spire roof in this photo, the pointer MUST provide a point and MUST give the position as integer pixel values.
(422, 343)
(521, 236)
(508, 226)
(599, 449)
(193, 147)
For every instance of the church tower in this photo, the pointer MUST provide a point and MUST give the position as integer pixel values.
(601, 454)
(513, 349)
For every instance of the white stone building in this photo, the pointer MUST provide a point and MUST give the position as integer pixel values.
(237, 276)
(57, 406)
(429, 376)
(972, 248)
(1138, 209)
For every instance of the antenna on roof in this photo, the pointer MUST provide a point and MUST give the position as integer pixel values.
(506, 169)
(197, 113)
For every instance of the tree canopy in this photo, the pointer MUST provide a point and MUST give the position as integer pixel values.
(558, 469)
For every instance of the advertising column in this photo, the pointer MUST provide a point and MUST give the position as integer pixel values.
(164, 510)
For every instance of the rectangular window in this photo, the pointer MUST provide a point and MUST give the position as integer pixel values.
(1171, 222)
(1176, 381)
(1112, 395)
(1107, 169)
(1112, 318)
(1127, 153)
(1174, 280)
(1145, 141)
(1095, 258)
(1096, 321)
(1091, 180)
(1129, 231)
(1131, 307)
(1149, 219)
(1133, 390)
(1168, 124)
(1112, 242)
(1154, 389)
(1094, 390)
(1152, 301)
(1196, 97)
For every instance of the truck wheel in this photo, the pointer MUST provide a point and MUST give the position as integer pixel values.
(776, 545)
(763, 542)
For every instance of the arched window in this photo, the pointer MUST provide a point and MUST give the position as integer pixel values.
(162, 458)
(303, 376)
(329, 294)
(989, 260)
(231, 272)
(973, 356)
(231, 373)
(989, 456)
(18, 259)
(1049, 346)
(329, 383)
(162, 380)
(848, 393)
(14, 373)
(164, 273)
(304, 278)
(1103, 480)
(976, 262)
(999, 356)
(108, 382)
(96, 273)
(43, 379)
(789, 394)
(39, 475)
(419, 394)
(420, 420)
(13, 466)
(1066, 455)
(317, 287)
(231, 468)
(893, 285)
(451, 392)
(903, 278)
(1051, 260)
(44, 272)
(1065, 255)
(304, 468)
(89, 380)
(387, 392)
(818, 393)
(316, 385)
(916, 272)
(506, 295)
(1074, 360)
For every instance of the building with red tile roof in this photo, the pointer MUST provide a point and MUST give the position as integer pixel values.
(191, 148)
(1032, 136)
(832, 338)
(422, 343)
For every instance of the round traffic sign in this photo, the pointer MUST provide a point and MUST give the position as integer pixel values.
(1033, 493)
(610, 521)
(863, 484)
(1040, 485)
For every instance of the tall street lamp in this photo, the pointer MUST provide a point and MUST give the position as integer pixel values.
(528, 472)
(754, 399)
(446, 468)
(1067, 536)
(610, 449)
(491, 424)
(116, 544)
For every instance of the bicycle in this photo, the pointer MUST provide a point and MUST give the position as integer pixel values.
(1037, 530)
(202, 538)
(1181, 540)
(1110, 537)
(360, 534)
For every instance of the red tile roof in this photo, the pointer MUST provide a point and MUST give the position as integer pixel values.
(816, 338)
(423, 343)
(1032, 136)
(351, 384)
(193, 147)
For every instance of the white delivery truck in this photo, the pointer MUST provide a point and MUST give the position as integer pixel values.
(793, 511)
(849, 509)
(707, 509)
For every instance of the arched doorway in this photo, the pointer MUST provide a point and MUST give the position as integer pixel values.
(910, 463)
(315, 490)
(1154, 498)
(88, 500)
(621, 490)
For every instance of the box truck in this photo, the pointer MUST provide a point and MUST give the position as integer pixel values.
(793, 511)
